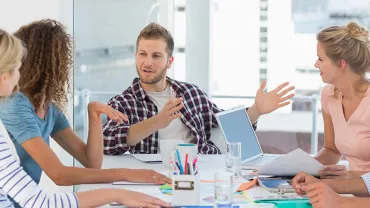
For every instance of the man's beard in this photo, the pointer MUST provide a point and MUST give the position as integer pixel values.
(154, 80)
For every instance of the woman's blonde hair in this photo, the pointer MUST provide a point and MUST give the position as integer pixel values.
(350, 43)
(11, 52)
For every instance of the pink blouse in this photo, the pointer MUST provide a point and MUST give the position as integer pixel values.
(352, 137)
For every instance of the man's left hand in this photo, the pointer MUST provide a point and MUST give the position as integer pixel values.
(266, 102)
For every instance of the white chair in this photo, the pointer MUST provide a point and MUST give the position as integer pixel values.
(218, 138)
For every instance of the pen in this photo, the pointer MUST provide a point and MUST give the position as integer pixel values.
(196, 170)
(191, 168)
(195, 161)
(179, 160)
(177, 165)
(174, 167)
(186, 164)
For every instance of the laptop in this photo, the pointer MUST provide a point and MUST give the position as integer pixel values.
(236, 127)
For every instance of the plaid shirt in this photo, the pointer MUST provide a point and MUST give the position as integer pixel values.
(198, 115)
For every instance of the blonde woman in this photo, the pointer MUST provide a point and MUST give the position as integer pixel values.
(343, 60)
(16, 183)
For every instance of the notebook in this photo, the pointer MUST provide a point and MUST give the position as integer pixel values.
(272, 184)
(148, 158)
(133, 183)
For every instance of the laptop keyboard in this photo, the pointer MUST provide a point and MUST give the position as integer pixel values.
(260, 161)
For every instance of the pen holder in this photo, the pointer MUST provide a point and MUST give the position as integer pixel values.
(185, 190)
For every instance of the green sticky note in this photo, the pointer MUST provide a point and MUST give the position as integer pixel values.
(166, 187)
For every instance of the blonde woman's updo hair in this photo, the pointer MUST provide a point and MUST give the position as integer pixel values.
(350, 43)
(357, 32)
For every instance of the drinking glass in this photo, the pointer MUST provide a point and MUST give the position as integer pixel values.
(233, 158)
(223, 190)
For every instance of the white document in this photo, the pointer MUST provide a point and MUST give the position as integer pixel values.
(291, 164)
(148, 158)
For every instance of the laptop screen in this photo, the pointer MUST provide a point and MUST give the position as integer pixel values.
(237, 128)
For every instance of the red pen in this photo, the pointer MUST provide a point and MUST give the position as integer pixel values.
(186, 163)
(195, 161)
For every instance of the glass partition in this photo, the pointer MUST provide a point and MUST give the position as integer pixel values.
(105, 35)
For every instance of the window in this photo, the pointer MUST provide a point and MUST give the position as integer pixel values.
(263, 39)
(263, 59)
(264, 6)
(104, 63)
(263, 18)
(263, 49)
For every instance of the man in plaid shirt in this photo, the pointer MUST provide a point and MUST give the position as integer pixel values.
(161, 108)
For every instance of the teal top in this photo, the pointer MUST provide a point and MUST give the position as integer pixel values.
(23, 124)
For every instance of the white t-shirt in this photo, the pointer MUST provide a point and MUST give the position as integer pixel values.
(177, 129)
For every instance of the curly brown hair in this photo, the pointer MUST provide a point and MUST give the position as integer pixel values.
(46, 69)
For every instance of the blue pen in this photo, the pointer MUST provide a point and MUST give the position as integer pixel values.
(177, 165)
(179, 160)
(174, 168)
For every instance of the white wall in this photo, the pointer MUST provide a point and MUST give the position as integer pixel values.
(280, 46)
(110, 23)
(16, 13)
(304, 45)
(235, 47)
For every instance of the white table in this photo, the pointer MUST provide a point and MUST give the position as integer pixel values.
(208, 164)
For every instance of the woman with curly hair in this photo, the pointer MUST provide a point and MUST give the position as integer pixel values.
(15, 182)
(36, 113)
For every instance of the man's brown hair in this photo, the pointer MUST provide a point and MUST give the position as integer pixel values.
(155, 31)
